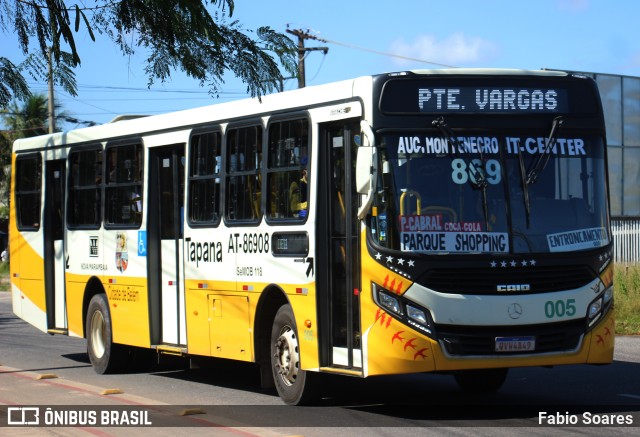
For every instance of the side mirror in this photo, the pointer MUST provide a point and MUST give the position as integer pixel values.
(364, 163)
(366, 169)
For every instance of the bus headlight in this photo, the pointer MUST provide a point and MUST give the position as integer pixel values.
(599, 306)
(595, 308)
(390, 303)
(406, 311)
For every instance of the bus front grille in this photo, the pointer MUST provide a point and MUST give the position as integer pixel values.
(464, 341)
(487, 281)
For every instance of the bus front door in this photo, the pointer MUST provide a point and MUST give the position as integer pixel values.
(54, 252)
(338, 260)
(165, 245)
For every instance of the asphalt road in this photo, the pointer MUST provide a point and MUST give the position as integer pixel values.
(227, 398)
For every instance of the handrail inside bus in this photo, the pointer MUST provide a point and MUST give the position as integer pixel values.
(411, 193)
(366, 205)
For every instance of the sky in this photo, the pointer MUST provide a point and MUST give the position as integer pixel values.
(369, 37)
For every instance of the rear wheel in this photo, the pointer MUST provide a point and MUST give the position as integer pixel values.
(105, 356)
(295, 386)
(481, 380)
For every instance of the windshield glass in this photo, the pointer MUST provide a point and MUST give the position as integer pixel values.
(470, 194)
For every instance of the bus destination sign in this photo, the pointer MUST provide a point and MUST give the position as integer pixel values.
(412, 97)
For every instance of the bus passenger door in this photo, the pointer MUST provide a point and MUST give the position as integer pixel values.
(54, 251)
(337, 233)
(165, 245)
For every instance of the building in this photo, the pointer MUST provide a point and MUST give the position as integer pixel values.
(621, 101)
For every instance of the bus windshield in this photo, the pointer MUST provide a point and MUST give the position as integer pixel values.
(475, 194)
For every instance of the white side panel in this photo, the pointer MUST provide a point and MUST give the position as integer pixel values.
(172, 297)
(60, 295)
(30, 312)
(182, 309)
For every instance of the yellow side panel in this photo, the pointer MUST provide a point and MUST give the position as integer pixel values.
(305, 313)
(230, 328)
(602, 340)
(75, 288)
(129, 305)
(26, 264)
(197, 314)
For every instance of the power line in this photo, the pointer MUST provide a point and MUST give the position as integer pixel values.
(378, 52)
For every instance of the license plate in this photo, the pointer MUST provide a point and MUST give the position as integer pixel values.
(515, 344)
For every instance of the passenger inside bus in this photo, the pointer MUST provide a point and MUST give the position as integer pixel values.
(298, 192)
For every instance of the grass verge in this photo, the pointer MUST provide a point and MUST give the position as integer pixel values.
(626, 280)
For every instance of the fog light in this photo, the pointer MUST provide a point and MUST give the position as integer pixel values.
(417, 315)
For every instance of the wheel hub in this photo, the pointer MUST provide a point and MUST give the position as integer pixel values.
(287, 356)
(97, 334)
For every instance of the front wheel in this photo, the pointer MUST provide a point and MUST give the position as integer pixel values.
(105, 356)
(481, 380)
(295, 386)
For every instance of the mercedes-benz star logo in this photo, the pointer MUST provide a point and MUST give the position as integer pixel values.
(514, 310)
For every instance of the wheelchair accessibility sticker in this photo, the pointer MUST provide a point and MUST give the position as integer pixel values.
(142, 243)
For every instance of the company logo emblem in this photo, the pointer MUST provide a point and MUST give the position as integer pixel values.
(23, 416)
(513, 287)
(93, 246)
(514, 310)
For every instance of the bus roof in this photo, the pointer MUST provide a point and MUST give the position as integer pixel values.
(491, 72)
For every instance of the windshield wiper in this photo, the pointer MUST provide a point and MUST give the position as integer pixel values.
(480, 179)
(538, 165)
(525, 186)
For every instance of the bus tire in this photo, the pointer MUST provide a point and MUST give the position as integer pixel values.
(105, 356)
(481, 380)
(294, 385)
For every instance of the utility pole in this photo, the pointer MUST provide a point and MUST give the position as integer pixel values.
(302, 50)
(52, 115)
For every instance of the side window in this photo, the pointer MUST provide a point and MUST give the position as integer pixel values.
(204, 178)
(28, 192)
(85, 185)
(288, 159)
(243, 179)
(123, 186)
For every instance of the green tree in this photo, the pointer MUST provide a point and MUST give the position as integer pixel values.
(28, 120)
(22, 121)
(178, 34)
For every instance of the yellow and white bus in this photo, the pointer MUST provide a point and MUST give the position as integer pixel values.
(452, 221)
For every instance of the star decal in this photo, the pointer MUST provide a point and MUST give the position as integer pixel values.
(493, 264)
(513, 263)
(532, 262)
(389, 259)
(378, 256)
(412, 263)
(503, 264)
(524, 263)
(401, 261)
